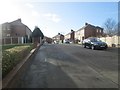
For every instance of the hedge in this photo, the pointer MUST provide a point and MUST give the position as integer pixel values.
(11, 57)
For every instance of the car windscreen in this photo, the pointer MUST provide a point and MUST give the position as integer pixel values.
(95, 40)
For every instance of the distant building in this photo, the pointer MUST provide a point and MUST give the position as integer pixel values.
(58, 38)
(70, 36)
(67, 36)
(16, 29)
(88, 31)
(48, 39)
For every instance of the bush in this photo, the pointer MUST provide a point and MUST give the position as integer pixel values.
(11, 57)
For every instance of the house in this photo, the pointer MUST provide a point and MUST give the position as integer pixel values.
(70, 36)
(58, 38)
(88, 31)
(48, 39)
(15, 29)
(67, 36)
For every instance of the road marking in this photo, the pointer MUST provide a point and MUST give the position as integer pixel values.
(45, 59)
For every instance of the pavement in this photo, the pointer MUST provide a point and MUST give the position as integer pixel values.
(71, 66)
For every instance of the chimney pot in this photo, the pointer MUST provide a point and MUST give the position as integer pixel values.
(19, 19)
(86, 23)
(71, 30)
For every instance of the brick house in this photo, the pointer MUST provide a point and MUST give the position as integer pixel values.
(15, 29)
(58, 38)
(88, 31)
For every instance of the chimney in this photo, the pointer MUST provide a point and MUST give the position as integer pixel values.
(58, 33)
(71, 30)
(86, 24)
(19, 20)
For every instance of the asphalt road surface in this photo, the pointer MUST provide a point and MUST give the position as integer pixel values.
(71, 66)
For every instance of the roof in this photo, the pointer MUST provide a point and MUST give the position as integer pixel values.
(17, 22)
(99, 27)
(47, 37)
(68, 33)
(58, 35)
(83, 27)
(88, 25)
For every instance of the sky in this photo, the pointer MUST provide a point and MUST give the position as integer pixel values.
(58, 17)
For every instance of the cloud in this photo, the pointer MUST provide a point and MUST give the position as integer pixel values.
(29, 5)
(35, 13)
(53, 17)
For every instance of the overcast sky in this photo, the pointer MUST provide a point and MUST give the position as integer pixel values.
(58, 17)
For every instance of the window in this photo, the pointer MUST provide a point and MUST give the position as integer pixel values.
(97, 30)
(8, 35)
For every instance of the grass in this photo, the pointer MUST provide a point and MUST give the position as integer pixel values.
(4, 47)
(12, 55)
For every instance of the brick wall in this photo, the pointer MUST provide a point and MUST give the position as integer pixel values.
(90, 31)
(18, 30)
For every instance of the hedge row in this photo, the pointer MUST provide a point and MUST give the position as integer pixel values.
(11, 57)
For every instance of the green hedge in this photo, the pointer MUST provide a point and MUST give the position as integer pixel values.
(11, 57)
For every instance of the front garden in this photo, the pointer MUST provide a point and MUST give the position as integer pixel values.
(12, 55)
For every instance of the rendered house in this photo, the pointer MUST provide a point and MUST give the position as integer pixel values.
(70, 36)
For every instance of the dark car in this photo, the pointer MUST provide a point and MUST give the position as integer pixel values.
(67, 41)
(94, 43)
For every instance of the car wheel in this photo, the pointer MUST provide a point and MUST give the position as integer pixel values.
(84, 46)
(93, 47)
(105, 48)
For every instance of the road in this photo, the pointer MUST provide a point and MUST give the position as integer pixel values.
(71, 66)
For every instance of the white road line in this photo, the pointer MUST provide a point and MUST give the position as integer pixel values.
(45, 59)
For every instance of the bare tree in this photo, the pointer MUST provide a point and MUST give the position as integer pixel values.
(110, 27)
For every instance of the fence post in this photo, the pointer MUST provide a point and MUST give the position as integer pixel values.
(22, 40)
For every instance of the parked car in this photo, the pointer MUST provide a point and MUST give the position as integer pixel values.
(94, 43)
(67, 41)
